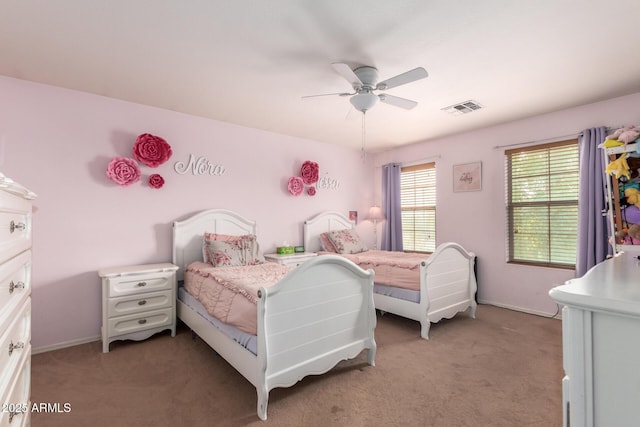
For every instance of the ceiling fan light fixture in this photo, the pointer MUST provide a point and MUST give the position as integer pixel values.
(364, 101)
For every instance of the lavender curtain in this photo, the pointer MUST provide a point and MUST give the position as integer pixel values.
(392, 230)
(593, 246)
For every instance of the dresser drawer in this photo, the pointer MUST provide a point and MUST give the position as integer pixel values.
(15, 225)
(15, 284)
(16, 399)
(15, 340)
(140, 321)
(140, 303)
(139, 283)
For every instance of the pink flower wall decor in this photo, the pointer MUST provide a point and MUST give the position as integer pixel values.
(295, 185)
(124, 171)
(151, 150)
(309, 172)
(156, 181)
(311, 191)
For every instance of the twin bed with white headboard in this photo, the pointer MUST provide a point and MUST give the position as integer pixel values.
(445, 280)
(317, 315)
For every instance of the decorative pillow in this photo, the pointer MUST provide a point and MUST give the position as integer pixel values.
(225, 254)
(252, 253)
(326, 244)
(226, 251)
(347, 241)
(209, 237)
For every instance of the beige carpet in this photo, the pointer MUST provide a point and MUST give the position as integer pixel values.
(503, 368)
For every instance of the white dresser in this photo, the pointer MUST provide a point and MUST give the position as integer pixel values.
(15, 302)
(601, 344)
(137, 302)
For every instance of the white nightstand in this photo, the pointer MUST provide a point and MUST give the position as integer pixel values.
(137, 302)
(290, 259)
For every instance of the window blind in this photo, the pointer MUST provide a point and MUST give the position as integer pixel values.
(542, 204)
(418, 207)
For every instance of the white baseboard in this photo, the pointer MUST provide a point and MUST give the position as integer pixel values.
(36, 350)
(556, 315)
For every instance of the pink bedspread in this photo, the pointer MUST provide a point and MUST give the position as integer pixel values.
(230, 293)
(399, 269)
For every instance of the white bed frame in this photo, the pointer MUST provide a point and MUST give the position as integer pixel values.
(447, 279)
(318, 315)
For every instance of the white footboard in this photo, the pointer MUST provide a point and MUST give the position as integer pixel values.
(449, 281)
(447, 287)
(319, 314)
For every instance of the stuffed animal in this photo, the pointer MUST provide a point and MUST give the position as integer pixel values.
(634, 232)
(629, 135)
(631, 213)
(609, 143)
(619, 167)
(633, 196)
(625, 135)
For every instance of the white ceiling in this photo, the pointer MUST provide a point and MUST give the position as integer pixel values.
(250, 62)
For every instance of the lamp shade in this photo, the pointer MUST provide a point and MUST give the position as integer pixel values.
(375, 213)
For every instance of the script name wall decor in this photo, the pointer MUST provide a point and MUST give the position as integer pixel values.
(327, 183)
(199, 166)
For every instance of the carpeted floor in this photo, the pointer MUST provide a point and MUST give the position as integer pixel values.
(503, 368)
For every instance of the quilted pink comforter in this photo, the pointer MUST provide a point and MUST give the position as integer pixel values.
(230, 293)
(399, 269)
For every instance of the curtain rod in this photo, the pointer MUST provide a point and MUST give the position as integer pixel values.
(540, 141)
(414, 162)
(554, 139)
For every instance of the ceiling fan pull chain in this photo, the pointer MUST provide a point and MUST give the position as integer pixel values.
(363, 153)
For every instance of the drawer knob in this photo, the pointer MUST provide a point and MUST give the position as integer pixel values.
(141, 284)
(13, 226)
(142, 321)
(17, 346)
(14, 286)
(143, 302)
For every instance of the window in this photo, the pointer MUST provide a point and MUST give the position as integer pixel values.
(542, 204)
(418, 206)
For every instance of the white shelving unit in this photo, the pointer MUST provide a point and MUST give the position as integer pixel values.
(613, 199)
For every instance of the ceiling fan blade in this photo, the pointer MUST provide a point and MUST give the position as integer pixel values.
(404, 78)
(407, 104)
(329, 94)
(345, 71)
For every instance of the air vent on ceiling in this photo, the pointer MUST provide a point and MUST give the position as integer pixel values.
(462, 108)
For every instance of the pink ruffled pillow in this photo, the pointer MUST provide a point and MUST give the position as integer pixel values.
(326, 245)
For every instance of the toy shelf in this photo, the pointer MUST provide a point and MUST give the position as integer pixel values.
(614, 213)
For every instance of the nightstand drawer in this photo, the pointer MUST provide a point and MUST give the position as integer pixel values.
(140, 321)
(293, 260)
(140, 303)
(135, 284)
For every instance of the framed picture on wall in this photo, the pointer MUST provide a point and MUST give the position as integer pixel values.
(467, 177)
(353, 216)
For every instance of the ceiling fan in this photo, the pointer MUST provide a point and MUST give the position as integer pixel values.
(364, 81)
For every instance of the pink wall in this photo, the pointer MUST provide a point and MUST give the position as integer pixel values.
(58, 143)
(477, 219)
